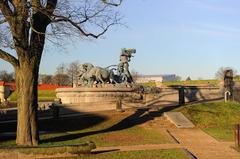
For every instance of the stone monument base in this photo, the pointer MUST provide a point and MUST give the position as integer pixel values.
(93, 94)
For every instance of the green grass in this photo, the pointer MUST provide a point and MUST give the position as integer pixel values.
(193, 83)
(105, 135)
(43, 95)
(72, 149)
(115, 129)
(131, 136)
(146, 154)
(46, 95)
(215, 118)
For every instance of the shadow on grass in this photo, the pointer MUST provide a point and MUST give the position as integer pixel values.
(140, 116)
(104, 151)
(64, 124)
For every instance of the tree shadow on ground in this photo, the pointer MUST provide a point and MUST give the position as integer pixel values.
(140, 116)
(63, 124)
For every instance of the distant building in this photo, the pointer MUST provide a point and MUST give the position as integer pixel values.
(156, 78)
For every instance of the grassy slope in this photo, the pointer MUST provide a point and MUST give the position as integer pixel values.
(193, 83)
(184, 83)
(147, 154)
(216, 118)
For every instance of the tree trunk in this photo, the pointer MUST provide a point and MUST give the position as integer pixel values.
(26, 83)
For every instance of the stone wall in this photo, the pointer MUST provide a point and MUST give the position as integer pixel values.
(191, 94)
(201, 93)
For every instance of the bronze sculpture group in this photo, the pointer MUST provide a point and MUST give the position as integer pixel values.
(90, 74)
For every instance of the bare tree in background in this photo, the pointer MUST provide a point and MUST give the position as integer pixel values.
(61, 80)
(24, 27)
(6, 77)
(72, 72)
(45, 79)
(219, 75)
(61, 69)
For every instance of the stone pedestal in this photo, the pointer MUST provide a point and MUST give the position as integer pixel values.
(92, 95)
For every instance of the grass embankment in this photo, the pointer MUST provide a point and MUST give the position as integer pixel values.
(215, 118)
(147, 154)
(184, 83)
(43, 95)
(193, 83)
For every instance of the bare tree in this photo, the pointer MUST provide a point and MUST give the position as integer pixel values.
(72, 72)
(61, 69)
(6, 77)
(24, 27)
(219, 75)
(61, 80)
(45, 79)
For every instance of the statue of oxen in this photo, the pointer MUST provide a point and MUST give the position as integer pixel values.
(90, 74)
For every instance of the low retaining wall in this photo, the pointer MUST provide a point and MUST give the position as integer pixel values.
(192, 94)
(186, 94)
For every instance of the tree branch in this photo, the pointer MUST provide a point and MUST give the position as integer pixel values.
(65, 19)
(5, 8)
(108, 2)
(9, 58)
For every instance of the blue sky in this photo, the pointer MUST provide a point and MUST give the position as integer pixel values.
(185, 37)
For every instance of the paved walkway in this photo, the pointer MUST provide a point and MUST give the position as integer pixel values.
(197, 142)
(204, 146)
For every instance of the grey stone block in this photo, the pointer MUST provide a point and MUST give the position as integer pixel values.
(179, 120)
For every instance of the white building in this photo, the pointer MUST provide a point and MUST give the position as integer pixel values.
(156, 78)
